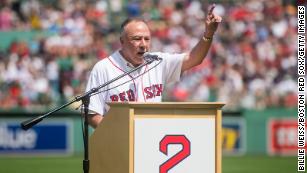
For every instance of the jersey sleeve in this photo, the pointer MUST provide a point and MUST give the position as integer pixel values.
(97, 101)
(171, 66)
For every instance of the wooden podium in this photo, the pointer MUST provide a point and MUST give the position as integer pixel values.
(174, 137)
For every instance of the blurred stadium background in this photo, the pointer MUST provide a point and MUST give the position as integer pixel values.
(47, 48)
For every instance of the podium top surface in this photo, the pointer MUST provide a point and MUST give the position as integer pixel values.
(179, 105)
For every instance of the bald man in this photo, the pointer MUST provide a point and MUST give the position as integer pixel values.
(146, 84)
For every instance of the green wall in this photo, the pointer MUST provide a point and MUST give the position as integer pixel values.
(256, 127)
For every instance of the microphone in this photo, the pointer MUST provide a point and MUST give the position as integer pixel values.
(151, 57)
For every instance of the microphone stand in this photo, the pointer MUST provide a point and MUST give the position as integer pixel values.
(85, 98)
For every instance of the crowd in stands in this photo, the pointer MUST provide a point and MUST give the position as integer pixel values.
(251, 65)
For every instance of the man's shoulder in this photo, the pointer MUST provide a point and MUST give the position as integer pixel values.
(167, 53)
(101, 63)
(168, 56)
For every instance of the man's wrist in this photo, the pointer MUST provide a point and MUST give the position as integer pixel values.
(206, 39)
(208, 34)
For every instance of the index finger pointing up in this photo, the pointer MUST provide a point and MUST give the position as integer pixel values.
(211, 9)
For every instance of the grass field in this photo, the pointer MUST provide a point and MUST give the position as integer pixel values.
(246, 164)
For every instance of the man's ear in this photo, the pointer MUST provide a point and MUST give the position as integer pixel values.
(121, 39)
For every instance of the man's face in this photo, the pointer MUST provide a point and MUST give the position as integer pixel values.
(135, 41)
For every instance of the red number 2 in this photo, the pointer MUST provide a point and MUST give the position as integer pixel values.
(177, 158)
